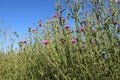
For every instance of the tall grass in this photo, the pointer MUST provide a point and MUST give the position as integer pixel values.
(88, 51)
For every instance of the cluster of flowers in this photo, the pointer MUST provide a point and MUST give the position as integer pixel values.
(55, 16)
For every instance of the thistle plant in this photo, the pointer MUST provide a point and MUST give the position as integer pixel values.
(57, 50)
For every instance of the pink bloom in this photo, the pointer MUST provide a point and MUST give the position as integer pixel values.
(66, 27)
(82, 28)
(93, 31)
(45, 41)
(73, 40)
(23, 41)
(63, 20)
(57, 6)
(118, 1)
(33, 30)
(51, 21)
(83, 21)
(40, 23)
(55, 16)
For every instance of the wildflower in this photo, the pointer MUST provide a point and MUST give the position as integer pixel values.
(51, 21)
(118, 1)
(82, 28)
(66, 27)
(55, 16)
(11, 39)
(73, 41)
(57, 6)
(45, 41)
(83, 21)
(86, 13)
(40, 23)
(33, 30)
(63, 20)
(93, 31)
(23, 41)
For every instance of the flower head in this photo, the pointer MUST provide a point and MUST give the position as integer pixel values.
(33, 30)
(57, 6)
(23, 41)
(55, 16)
(118, 1)
(45, 41)
(73, 41)
(51, 21)
(63, 20)
(66, 27)
(40, 23)
(82, 28)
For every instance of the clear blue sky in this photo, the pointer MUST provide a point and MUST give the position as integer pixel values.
(21, 14)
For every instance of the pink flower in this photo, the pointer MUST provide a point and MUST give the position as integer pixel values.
(73, 41)
(33, 30)
(40, 23)
(82, 28)
(63, 20)
(23, 41)
(66, 27)
(51, 21)
(118, 1)
(55, 16)
(83, 21)
(57, 6)
(45, 41)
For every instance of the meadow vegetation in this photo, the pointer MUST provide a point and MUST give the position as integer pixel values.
(57, 50)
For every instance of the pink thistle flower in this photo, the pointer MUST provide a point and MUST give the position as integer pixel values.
(63, 20)
(45, 41)
(33, 30)
(73, 41)
(83, 21)
(118, 1)
(82, 28)
(23, 41)
(66, 27)
(55, 16)
(11, 39)
(57, 6)
(40, 23)
(51, 21)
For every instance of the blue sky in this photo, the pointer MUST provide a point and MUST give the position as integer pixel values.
(21, 14)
